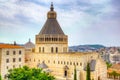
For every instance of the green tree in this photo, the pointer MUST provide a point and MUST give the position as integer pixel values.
(75, 74)
(0, 77)
(114, 74)
(27, 73)
(88, 72)
(108, 65)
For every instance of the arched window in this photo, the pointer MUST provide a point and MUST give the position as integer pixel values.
(52, 39)
(45, 39)
(74, 63)
(39, 49)
(61, 62)
(80, 64)
(56, 39)
(52, 50)
(77, 63)
(43, 50)
(54, 62)
(67, 63)
(56, 50)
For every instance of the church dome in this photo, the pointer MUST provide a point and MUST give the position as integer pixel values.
(29, 44)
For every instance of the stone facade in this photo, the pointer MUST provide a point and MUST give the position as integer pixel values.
(11, 56)
(57, 62)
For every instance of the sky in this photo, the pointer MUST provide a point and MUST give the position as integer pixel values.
(84, 21)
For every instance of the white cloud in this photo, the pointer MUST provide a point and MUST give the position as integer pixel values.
(77, 22)
(32, 11)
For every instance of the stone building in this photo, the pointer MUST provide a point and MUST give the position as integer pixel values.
(11, 56)
(115, 57)
(51, 54)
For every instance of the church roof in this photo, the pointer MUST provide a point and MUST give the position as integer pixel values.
(51, 26)
(42, 65)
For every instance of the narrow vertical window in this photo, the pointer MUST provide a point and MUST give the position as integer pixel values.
(51, 49)
(65, 73)
(43, 49)
(19, 59)
(54, 62)
(7, 52)
(14, 59)
(61, 62)
(7, 60)
(14, 52)
(39, 49)
(56, 50)
(20, 52)
(58, 62)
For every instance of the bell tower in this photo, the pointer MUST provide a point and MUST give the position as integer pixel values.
(51, 38)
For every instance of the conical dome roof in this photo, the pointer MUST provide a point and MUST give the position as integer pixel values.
(51, 26)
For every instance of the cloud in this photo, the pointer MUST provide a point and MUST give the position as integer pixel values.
(82, 20)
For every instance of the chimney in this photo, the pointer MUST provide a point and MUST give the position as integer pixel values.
(15, 43)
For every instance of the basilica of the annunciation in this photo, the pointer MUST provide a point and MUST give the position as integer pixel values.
(52, 55)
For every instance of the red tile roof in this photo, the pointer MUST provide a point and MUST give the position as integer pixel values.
(9, 46)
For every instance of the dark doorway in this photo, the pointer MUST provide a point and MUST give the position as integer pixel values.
(98, 77)
(65, 73)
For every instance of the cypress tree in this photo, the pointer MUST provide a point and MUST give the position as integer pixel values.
(0, 77)
(88, 72)
(75, 74)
